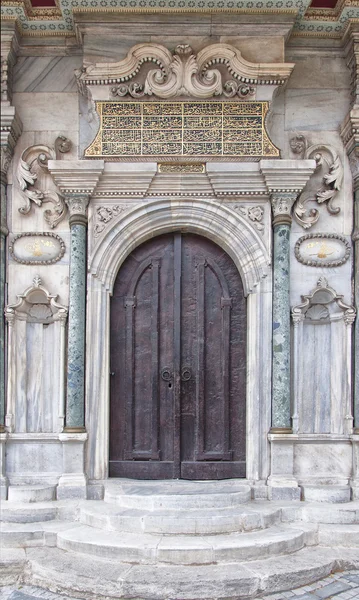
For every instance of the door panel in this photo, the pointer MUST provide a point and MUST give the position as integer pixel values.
(178, 335)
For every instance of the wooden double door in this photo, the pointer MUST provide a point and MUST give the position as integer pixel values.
(178, 363)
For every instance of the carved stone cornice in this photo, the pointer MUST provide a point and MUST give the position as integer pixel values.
(351, 48)
(9, 48)
(77, 180)
(11, 128)
(350, 135)
(183, 72)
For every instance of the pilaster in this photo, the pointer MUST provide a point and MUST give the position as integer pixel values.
(77, 181)
(284, 179)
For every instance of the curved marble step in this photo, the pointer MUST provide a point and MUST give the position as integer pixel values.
(111, 517)
(185, 550)
(22, 535)
(177, 495)
(67, 572)
(19, 512)
(31, 493)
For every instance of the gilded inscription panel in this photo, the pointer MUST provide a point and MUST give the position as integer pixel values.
(203, 130)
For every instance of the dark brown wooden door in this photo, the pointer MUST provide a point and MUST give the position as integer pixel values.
(178, 363)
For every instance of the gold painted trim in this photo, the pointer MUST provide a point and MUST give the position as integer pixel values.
(171, 167)
(146, 10)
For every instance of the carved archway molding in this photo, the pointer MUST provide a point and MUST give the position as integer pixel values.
(217, 69)
(240, 239)
(225, 226)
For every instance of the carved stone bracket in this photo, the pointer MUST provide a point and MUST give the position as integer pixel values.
(215, 70)
(105, 214)
(322, 187)
(316, 305)
(253, 213)
(32, 173)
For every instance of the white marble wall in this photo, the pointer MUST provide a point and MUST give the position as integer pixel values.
(313, 104)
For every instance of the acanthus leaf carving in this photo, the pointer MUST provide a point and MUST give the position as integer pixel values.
(31, 173)
(215, 70)
(322, 187)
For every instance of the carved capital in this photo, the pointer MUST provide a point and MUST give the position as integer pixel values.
(6, 156)
(77, 204)
(282, 206)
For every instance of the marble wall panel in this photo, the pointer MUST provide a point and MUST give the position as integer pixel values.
(31, 460)
(312, 109)
(317, 72)
(47, 111)
(325, 462)
(46, 73)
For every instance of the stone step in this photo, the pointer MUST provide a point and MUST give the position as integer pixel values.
(31, 493)
(151, 549)
(68, 572)
(111, 517)
(320, 512)
(346, 536)
(326, 493)
(24, 512)
(22, 535)
(177, 495)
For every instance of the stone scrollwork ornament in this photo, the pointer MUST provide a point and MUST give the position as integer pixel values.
(215, 70)
(323, 186)
(33, 176)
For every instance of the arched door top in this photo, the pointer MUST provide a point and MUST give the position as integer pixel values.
(202, 216)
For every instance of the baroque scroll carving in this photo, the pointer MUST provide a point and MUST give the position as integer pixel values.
(215, 70)
(33, 174)
(322, 187)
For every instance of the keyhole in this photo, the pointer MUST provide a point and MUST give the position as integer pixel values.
(170, 385)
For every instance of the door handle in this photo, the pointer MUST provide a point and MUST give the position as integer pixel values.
(166, 374)
(186, 373)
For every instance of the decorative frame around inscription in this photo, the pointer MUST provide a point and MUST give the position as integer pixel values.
(45, 234)
(317, 262)
(198, 131)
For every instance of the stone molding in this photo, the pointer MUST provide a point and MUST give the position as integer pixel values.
(11, 128)
(350, 135)
(76, 177)
(184, 73)
(43, 236)
(286, 176)
(10, 41)
(323, 236)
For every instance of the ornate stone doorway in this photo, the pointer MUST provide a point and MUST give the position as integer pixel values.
(178, 362)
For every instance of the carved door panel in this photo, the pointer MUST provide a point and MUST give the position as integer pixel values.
(178, 332)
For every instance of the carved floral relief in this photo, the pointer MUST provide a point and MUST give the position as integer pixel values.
(322, 187)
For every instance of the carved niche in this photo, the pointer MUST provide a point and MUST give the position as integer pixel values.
(322, 362)
(37, 185)
(324, 184)
(36, 331)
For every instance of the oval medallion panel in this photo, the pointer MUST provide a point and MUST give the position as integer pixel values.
(37, 248)
(322, 250)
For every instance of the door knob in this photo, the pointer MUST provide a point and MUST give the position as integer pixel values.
(186, 374)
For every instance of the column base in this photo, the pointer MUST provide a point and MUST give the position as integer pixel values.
(73, 481)
(4, 482)
(282, 484)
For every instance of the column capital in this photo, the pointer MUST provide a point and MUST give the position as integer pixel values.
(77, 203)
(282, 203)
(349, 132)
(11, 128)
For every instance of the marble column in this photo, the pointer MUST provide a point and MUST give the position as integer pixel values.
(356, 304)
(5, 159)
(281, 382)
(75, 397)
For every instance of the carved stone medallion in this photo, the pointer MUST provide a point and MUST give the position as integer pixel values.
(322, 250)
(37, 248)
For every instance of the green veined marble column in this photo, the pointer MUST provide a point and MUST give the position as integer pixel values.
(3, 234)
(75, 398)
(281, 382)
(356, 303)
